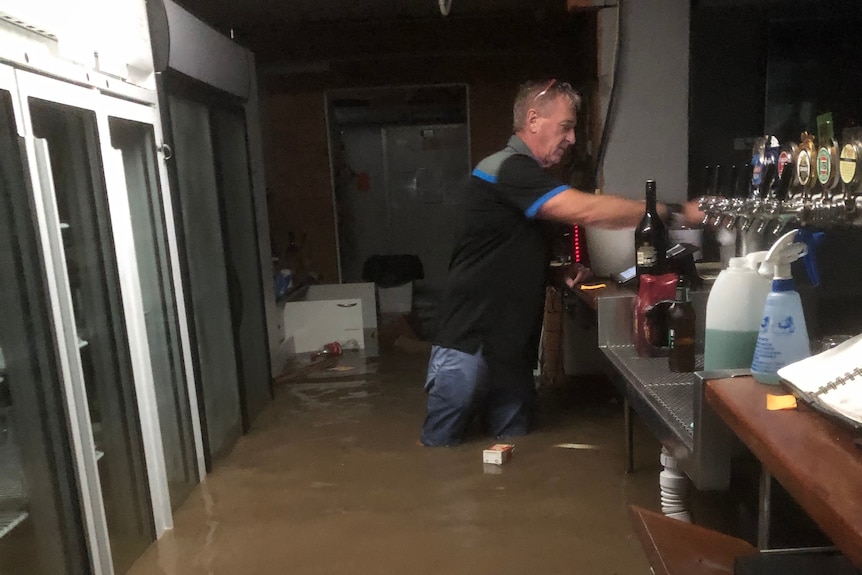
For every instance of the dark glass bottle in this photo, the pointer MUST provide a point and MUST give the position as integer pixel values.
(681, 328)
(651, 238)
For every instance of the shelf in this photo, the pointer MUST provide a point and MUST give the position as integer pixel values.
(9, 520)
(670, 395)
(12, 494)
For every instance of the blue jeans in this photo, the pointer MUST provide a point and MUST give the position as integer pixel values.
(462, 386)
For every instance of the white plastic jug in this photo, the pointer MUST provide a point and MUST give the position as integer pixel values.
(733, 313)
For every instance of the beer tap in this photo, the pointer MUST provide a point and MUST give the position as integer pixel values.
(710, 204)
(739, 196)
(804, 166)
(849, 164)
(725, 189)
(761, 204)
(856, 214)
(774, 206)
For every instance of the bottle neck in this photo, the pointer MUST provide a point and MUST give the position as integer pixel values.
(782, 284)
(650, 199)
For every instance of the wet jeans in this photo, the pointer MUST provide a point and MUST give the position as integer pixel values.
(462, 386)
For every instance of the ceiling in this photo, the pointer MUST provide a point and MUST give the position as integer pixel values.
(249, 14)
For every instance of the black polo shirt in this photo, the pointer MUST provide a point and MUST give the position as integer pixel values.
(494, 294)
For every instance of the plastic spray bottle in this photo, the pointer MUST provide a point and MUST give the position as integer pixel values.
(783, 336)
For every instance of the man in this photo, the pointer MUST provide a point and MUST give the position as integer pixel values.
(491, 314)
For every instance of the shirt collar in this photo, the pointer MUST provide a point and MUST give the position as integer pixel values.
(519, 147)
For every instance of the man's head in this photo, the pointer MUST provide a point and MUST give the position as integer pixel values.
(545, 115)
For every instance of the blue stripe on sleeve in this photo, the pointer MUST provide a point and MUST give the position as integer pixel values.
(537, 205)
(484, 176)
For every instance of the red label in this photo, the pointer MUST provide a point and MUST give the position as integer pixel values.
(783, 160)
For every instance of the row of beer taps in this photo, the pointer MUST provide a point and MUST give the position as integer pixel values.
(770, 200)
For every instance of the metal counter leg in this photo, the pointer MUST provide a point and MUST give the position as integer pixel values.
(763, 508)
(629, 433)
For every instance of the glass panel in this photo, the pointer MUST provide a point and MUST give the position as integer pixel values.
(207, 273)
(424, 168)
(82, 206)
(243, 259)
(137, 144)
(40, 515)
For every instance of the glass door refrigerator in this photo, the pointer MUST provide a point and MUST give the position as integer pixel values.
(98, 434)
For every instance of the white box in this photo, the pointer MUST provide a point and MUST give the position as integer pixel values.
(398, 299)
(309, 325)
(362, 290)
(498, 454)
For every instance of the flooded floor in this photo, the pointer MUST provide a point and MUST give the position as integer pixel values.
(331, 481)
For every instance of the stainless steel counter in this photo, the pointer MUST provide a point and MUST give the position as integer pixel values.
(670, 404)
(667, 396)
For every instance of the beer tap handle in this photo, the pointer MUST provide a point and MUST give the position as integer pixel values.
(766, 182)
(708, 181)
(728, 183)
(742, 183)
(782, 184)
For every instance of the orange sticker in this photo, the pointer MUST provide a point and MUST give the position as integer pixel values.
(777, 402)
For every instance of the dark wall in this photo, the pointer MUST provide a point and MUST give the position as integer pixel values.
(728, 64)
(771, 67)
(372, 53)
(768, 66)
(490, 55)
(814, 67)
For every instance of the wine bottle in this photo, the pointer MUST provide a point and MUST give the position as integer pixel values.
(651, 238)
(681, 328)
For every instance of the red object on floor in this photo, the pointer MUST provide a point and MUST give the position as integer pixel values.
(332, 349)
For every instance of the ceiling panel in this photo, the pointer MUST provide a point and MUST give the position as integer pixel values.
(247, 14)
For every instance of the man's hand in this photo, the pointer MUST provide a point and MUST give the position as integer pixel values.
(576, 273)
(691, 214)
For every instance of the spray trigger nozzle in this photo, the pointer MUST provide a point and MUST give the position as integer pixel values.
(811, 240)
(790, 247)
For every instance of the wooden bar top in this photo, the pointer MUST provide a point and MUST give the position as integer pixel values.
(811, 455)
(674, 547)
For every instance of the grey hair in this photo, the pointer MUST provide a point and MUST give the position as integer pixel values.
(536, 95)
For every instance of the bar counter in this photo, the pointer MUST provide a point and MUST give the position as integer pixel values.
(665, 401)
(815, 458)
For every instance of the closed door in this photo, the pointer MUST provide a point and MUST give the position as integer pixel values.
(42, 529)
(71, 176)
(207, 273)
(243, 262)
(134, 144)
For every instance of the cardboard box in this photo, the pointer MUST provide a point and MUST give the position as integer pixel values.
(398, 299)
(309, 325)
(498, 454)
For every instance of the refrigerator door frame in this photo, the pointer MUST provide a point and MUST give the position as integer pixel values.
(29, 84)
(80, 432)
(77, 440)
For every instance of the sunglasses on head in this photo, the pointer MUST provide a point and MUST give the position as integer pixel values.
(554, 85)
